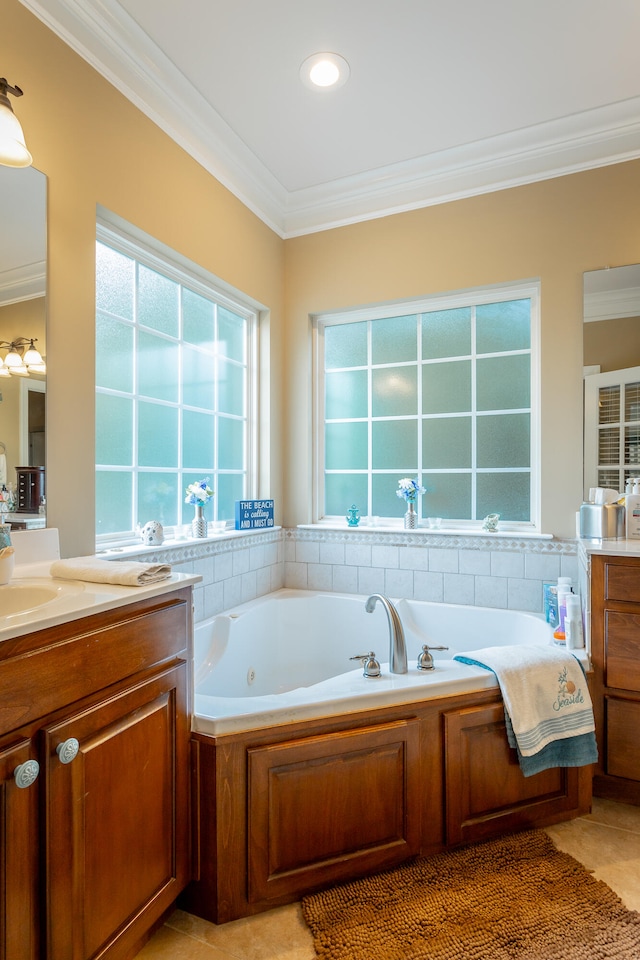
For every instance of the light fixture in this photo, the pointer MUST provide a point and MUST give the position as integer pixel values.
(325, 71)
(13, 149)
(20, 362)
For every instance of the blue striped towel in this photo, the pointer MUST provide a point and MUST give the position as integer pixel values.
(548, 708)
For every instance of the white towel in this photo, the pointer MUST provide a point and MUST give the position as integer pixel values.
(3, 469)
(128, 573)
(544, 691)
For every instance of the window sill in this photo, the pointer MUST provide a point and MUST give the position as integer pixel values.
(131, 548)
(424, 531)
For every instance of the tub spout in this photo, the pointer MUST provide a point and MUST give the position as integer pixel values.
(397, 646)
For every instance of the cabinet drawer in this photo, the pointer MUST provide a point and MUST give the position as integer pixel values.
(623, 747)
(622, 650)
(622, 582)
(42, 673)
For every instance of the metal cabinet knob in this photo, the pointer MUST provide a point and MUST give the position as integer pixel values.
(26, 773)
(68, 750)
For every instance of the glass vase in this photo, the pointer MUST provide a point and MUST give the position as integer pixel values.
(410, 517)
(199, 523)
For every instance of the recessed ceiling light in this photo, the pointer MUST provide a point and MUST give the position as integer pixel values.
(324, 71)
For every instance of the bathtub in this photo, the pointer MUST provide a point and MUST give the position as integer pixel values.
(286, 656)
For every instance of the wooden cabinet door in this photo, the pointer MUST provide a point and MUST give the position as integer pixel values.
(116, 818)
(486, 792)
(19, 866)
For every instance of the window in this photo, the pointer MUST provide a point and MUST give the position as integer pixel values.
(444, 390)
(174, 370)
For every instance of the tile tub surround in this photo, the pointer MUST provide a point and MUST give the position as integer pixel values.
(481, 570)
(606, 841)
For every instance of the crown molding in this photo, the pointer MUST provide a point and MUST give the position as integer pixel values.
(612, 304)
(23, 283)
(113, 43)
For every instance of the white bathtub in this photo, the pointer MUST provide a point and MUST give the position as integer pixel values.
(285, 656)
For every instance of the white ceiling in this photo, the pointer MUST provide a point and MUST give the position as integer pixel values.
(447, 98)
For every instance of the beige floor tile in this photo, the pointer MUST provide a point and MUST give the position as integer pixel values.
(621, 815)
(612, 853)
(279, 934)
(169, 944)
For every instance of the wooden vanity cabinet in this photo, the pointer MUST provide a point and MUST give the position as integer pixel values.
(615, 652)
(95, 851)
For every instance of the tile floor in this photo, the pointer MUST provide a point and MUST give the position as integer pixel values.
(606, 841)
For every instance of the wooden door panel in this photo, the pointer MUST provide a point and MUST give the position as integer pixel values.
(623, 744)
(115, 817)
(19, 851)
(622, 650)
(485, 789)
(331, 806)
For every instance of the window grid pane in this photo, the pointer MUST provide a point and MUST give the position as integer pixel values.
(173, 405)
(459, 418)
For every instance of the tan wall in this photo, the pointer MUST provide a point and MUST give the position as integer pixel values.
(613, 344)
(96, 148)
(553, 230)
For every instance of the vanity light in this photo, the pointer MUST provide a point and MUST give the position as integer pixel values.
(13, 149)
(324, 71)
(20, 363)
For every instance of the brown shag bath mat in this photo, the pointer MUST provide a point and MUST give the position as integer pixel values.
(515, 897)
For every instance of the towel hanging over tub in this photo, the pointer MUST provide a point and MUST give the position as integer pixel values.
(548, 710)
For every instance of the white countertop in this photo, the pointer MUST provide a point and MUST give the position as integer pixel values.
(75, 599)
(628, 548)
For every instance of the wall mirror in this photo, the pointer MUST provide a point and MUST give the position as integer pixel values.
(611, 344)
(23, 232)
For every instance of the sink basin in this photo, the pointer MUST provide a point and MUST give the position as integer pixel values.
(21, 596)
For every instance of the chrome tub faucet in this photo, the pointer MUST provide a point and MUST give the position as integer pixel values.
(397, 646)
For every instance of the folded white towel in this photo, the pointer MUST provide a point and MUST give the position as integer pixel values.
(129, 573)
(544, 691)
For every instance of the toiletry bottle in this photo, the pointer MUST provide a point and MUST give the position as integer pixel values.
(564, 588)
(632, 510)
(573, 628)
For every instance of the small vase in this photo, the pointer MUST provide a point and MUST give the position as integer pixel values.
(410, 517)
(199, 523)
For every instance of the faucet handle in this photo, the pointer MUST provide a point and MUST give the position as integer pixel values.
(425, 660)
(369, 662)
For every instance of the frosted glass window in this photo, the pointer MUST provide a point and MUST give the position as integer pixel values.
(504, 441)
(230, 387)
(157, 497)
(446, 333)
(158, 367)
(232, 335)
(504, 493)
(446, 443)
(394, 339)
(394, 391)
(446, 387)
(114, 282)
(504, 383)
(230, 444)
(341, 490)
(198, 318)
(173, 389)
(503, 326)
(198, 440)
(158, 302)
(114, 430)
(345, 346)
(346, 446)
(198, 380)
(440, 394)
(114, 501)
(157, 435)
(114, 354)
(346, 394)
(448, 496)
(394, 442)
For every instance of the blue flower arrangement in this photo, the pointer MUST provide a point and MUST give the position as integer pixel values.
(199, 492)
(409, 490)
